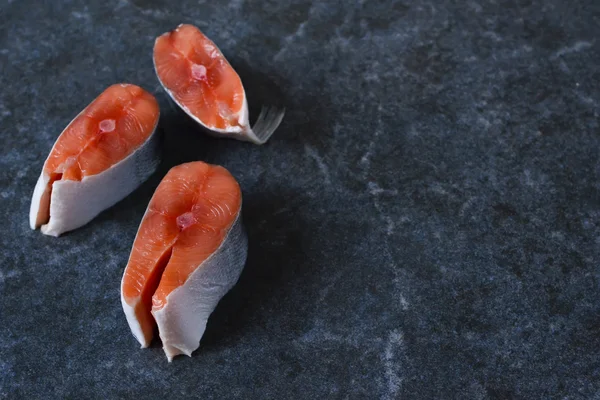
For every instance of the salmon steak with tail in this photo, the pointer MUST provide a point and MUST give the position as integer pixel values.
(103, 155)
(199, 79)
(189, 251)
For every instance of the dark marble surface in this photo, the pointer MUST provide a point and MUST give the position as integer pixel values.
(424, 224)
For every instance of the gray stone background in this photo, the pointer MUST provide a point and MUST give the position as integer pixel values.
(424, 224)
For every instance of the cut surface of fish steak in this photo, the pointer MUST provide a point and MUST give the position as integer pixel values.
(200, 80)
(78, 195)
(189, 251)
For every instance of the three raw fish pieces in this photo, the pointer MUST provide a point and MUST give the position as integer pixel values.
(190, 247)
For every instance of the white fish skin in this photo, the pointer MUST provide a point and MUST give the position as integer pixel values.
(134, 324)
(75, 203)
(242, 132)
(129, 309)
(182, 320)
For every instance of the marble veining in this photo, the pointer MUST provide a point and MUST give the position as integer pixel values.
(424, 224)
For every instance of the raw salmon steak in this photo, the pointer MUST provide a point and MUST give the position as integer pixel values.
(196, 75)
(189, 251)
(106, 152)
